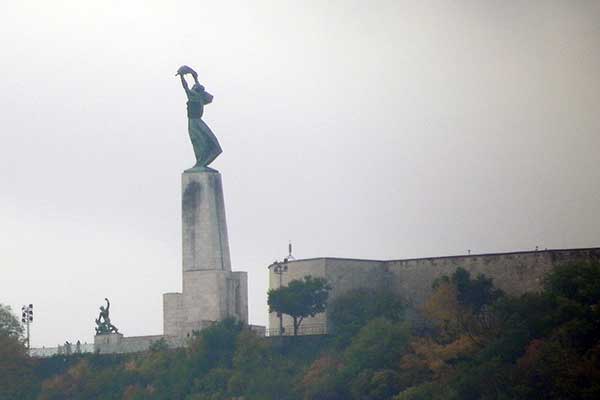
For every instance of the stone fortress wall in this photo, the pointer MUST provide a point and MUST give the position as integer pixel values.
(515, 273)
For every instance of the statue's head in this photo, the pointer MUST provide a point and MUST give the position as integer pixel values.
(198, 88)
(101, 308)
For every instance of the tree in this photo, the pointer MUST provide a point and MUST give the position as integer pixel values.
(373, 357)
(259, 372)
(322, 380)
(576, 282)
(16, 370)
(473, 293)
(462, 305)
(215, 346)
(300, 299)
(9, 324)
(351, 311)
(15, 364)
(378, 345)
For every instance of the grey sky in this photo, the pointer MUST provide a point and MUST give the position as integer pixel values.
(380, 129)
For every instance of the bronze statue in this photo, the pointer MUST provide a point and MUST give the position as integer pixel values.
(205, 143)
(103, 324)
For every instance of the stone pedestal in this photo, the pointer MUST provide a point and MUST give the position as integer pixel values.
(205, 242)
(108, 343)
(211, 291)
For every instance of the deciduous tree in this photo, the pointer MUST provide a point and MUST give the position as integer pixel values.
(9, 324)
(300, 299)
(351, 311)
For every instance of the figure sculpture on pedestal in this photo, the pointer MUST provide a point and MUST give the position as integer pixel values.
(206, 146)
(103, 324)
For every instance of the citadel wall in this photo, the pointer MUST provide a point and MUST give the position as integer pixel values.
(115, 343)
(515, 273)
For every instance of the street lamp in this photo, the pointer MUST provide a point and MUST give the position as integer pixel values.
(27, 318)
(279, 269)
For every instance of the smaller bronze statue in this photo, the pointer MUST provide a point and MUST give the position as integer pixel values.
(103, 324)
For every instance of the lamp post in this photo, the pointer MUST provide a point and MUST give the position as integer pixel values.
(279, 269)
(27, 318)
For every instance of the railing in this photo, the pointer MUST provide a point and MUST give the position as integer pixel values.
(303, 330)
(41, 352)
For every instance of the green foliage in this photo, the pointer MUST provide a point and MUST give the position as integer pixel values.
(214, 347)
(16, 368)
(375, 385)
(548, 347)
(350, 312)
(540, 345)
(9, 323)
(323, 380)
(259, 371)
(426, 391)
(159, 345)
(16, 372)
(378, 345)
(212, 385)
(473, 293)
(579, 283)
(300, 299)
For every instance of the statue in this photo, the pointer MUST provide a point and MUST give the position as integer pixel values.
(68, 350)
(205, 143)
(103, 324)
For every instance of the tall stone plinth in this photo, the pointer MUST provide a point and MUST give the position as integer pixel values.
(205, 242)
(211, 291)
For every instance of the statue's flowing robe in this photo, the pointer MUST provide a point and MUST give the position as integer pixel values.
(205, 143)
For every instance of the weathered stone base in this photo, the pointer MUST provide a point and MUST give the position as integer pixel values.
(208, 296)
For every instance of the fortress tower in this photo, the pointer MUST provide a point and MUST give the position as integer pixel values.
(211, 291)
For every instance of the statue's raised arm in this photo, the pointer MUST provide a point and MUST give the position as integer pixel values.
(205, 144)
(185, 85)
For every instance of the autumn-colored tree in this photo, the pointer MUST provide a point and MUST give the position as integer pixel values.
(135, 392)
(322, 380)
(549, 369)
(434, 360)
(375, 385)
(70, 385)
(462, 306)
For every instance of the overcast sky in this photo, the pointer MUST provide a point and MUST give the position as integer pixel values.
(367, 129)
